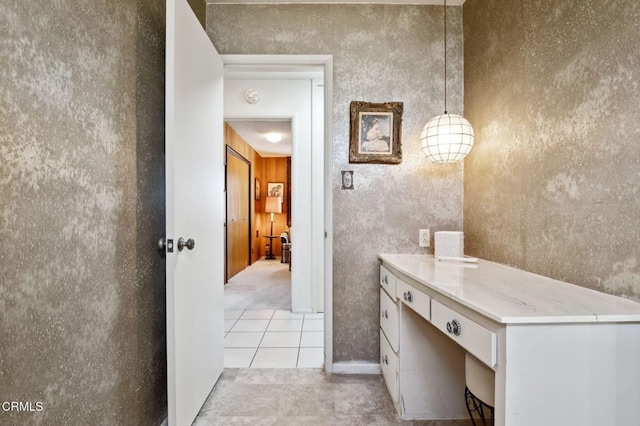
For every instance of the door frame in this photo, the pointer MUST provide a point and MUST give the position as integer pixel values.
(228, 150)
(322, 195)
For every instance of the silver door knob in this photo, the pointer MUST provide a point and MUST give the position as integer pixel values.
(190, 244)
(165, 244)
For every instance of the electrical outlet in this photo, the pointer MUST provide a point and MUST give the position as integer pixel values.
(424, 236)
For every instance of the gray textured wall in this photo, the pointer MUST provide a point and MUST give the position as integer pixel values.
(381, 53)
(552, 185)
(82, 326)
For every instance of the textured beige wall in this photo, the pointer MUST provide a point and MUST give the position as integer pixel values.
(381, 53)
(82, 326)
(552, 185)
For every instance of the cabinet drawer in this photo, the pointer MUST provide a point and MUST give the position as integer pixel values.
(476, 339)
(389, 366)
(413, 298)
(388, 281)
(389, 319)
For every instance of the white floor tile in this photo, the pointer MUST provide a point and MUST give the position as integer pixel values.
(281, 339)
(313, 325)
(242, 340)
(311, 358)
(250, 325)
(312, 339)
(254, 314)
(233, 314)
(238, 357)
(275, 358)
(319, 315)
(285, 325)
(281, 314)
(228, 324)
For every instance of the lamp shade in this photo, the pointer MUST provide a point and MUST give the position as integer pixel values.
(273, 205)
(447, 138)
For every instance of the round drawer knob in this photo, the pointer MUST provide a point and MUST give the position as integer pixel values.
(454, 327)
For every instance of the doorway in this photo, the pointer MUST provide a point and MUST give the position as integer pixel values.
(311, 169)
(264, 280)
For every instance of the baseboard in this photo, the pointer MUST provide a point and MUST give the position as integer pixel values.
(301, 311)
(165, 422)
(356, 368)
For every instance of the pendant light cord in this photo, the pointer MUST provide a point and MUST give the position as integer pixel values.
(445, 56)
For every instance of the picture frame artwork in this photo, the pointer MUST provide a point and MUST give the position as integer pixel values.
(375, 132)
(275, 189)
(258, 195)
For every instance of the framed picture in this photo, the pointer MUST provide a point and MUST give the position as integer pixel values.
(375, 133)
(275, 189)
(257, 189)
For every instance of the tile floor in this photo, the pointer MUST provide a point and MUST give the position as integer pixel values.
(272, 338)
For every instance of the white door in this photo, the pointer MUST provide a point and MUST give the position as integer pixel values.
(195, 210)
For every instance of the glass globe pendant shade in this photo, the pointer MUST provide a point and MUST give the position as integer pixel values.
(447, 138)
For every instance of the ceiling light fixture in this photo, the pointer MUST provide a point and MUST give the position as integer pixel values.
(274, 137)
(447, 138)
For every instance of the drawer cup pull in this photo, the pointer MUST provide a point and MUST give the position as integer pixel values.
(408, 296)
(385, 314)
(385, 359)
(385, 279)
(454, 327)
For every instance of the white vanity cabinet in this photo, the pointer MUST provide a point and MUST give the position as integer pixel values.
(562, 354)
(407, 359)
(389, 334)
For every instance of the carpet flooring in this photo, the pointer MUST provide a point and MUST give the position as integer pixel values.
(296, 397)
(264, 285)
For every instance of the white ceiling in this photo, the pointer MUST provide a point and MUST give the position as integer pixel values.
(255, 132)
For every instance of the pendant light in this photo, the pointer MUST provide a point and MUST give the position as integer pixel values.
(447, 138)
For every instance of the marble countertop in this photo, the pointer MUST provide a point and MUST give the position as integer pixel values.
(509, 295)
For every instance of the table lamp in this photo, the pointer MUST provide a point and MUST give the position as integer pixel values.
(272, 205)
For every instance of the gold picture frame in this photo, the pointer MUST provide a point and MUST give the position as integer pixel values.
(375, 132)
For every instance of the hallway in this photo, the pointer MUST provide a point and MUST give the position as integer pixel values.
(264, 285)
(260, 329)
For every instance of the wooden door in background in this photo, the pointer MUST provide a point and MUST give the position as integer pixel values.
(238, 236)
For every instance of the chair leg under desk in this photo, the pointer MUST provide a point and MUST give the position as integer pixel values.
(475, 405)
